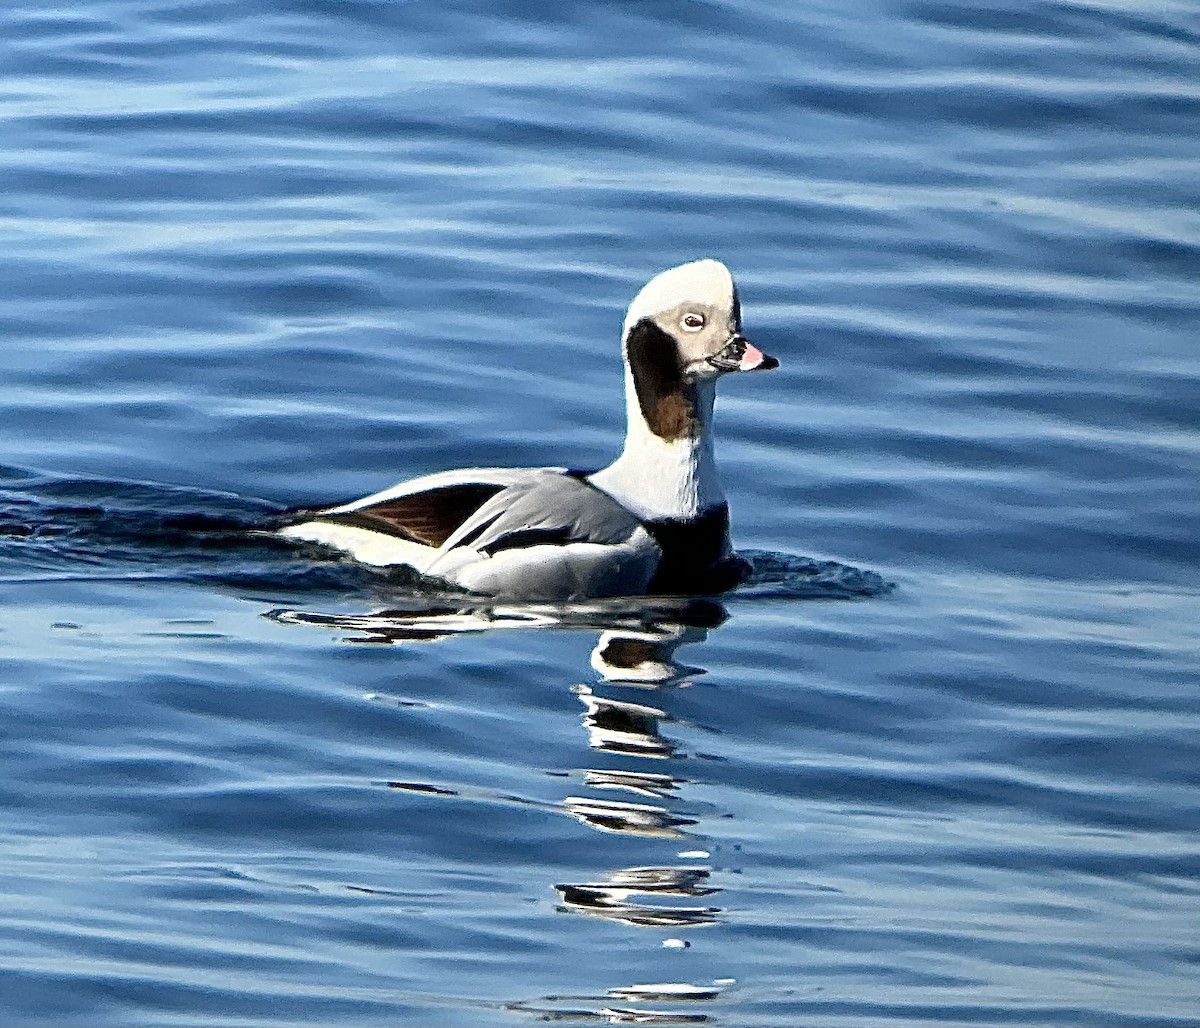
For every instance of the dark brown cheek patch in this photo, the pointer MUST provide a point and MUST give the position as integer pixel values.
(663, 396)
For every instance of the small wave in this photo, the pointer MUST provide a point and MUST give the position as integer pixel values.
(788, 576)
(56, 528)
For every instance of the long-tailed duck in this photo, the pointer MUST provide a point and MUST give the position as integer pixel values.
(655, 521)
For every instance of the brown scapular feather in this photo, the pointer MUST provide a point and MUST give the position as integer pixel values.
(428, 517)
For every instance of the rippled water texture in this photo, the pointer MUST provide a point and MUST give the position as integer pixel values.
(260, 255)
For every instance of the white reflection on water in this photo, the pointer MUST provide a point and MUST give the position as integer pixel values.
(635, 649)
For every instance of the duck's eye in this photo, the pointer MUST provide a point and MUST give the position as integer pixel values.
(692, 322)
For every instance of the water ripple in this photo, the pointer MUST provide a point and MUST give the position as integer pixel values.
(287, 254)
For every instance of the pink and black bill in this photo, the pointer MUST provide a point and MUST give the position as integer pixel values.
(742, 355)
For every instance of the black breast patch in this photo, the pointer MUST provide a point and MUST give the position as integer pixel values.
(695, 554)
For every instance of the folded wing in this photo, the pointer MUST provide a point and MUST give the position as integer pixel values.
(537, 532)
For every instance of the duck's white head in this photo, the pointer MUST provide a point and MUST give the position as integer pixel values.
(685, 328)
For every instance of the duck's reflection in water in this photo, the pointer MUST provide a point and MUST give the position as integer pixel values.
(641, 658)
(617, 726)
(635, 650)
(610, 898)
(627, 627)
(641, 783)
(663, 898)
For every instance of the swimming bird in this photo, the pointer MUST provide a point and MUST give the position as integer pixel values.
(655, 521)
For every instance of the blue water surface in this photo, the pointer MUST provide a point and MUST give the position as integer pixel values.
(282, 253)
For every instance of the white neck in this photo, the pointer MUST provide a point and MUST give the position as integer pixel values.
(657, 478)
